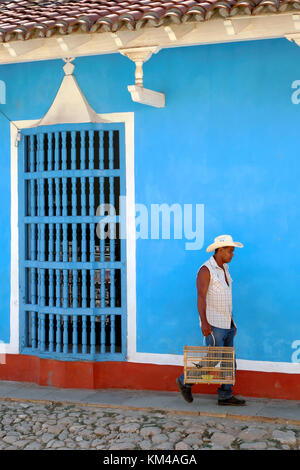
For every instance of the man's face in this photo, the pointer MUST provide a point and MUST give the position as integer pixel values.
(227, 253)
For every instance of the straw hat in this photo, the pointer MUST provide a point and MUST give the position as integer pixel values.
(223, 240)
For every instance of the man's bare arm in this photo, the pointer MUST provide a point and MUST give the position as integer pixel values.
(203, 280)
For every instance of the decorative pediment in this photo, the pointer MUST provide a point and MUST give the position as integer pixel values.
(70, 105)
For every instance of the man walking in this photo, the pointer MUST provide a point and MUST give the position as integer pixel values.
(215, 309)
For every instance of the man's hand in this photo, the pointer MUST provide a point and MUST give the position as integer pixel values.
(206, 329)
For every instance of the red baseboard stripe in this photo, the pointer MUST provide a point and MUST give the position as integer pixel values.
(137, 376)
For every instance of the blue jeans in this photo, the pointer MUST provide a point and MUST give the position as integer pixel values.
(223, 337)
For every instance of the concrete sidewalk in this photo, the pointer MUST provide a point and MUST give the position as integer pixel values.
(285, 411)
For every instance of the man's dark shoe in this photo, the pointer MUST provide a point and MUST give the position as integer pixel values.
(233, 401)
(185, 391)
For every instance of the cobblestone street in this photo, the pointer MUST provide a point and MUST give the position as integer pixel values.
(36, 426)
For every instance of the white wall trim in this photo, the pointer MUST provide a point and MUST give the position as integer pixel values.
(13, 346)
(128, 119)
(266, 366)
(242, 364)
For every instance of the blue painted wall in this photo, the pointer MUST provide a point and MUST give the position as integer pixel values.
(227, 138)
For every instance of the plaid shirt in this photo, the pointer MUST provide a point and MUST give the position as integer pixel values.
(219, 296)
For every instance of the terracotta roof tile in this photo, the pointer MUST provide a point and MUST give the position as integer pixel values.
(25, 19)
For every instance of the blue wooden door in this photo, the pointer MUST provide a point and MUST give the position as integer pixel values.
(72, 261)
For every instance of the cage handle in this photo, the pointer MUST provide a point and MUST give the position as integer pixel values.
(211, 334)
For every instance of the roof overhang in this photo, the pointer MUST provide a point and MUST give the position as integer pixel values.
(218, 30)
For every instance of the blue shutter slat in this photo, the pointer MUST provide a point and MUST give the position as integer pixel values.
(43, 332)
(83, 196)
(41, 160)
(57, 197)
(31, 169)
(84, 289)
(51, 243)
(57, 287)
(74, 334)
(65, 334)
(92, 197)
(31, 154)
(51, 288)
(102, 338)
(65, 243)
(58, 334)
(65, 288)
(84, 335)
(93, 335)
(75, 288)
(83, 243)
(51, 332)
(73, 150)
(32, 242)
(39, 331)
(57, 242)
(112, 289)
(64, 151)
(64, 197)
(50, 197)
(91, 150)
(50, 161)
(102, 288)
(42, 298)
(82, 150)
(42, 243)
(33, 330)
(56, 151)
(101, 150)
(112, 333)
(74, 242)
(33, 286)
(92, 289)
(102, 259)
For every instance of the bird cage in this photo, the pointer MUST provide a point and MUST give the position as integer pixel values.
(209, 364)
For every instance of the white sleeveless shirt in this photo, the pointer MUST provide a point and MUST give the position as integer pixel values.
(219, 295)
